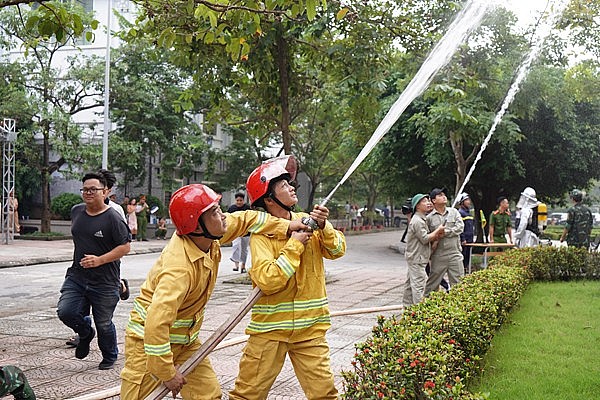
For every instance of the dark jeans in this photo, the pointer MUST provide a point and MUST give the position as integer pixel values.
(466, 252)
(74, 304)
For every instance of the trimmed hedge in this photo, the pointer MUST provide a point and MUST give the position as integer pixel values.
(61, 205)
(434, 348)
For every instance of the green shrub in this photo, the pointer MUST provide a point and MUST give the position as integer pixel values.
(434, 347)
(555, 263)
(61, 205)
(155, 201)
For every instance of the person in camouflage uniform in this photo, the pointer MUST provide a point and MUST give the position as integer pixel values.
(13, 381)
(579, 223)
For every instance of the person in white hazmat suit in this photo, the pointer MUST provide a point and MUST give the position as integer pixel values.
(525, 235)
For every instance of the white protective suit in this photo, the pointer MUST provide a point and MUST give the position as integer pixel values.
(527, 202)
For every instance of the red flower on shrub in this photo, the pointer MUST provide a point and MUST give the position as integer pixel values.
(380, 395)
(400, 360)
(452, 341)
(403, 390)
(429, 385)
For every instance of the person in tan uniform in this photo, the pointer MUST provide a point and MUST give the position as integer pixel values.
(418, 249)
(446, 257)
(162, 332)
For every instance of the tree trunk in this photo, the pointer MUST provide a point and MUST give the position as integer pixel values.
(461, 164)
(284, 81)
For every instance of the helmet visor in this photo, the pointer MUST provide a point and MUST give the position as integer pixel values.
(275, 167)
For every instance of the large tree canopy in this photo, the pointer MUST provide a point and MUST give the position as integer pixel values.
(53, 95)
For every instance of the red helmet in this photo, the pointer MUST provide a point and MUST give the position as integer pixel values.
(188, 203)
(257, 184)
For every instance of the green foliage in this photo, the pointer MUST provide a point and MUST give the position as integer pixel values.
(155, 201)
(145, 87)
(63, 21)
(434, 349)
(557, 264)
(61, 205)
(184, 25)
(52, 96)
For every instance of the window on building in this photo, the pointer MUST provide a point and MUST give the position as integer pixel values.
(123, 6)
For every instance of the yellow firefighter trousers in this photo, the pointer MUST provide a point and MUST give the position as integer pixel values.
(138, 383)
(263, 359)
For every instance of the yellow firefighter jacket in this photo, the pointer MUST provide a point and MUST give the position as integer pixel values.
(170, 307)
(294, 306)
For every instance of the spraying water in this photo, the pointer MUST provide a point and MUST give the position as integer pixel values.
(541, 34)
(464, 23)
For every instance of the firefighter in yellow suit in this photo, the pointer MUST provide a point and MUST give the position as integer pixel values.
(292, 317)
(163, 327)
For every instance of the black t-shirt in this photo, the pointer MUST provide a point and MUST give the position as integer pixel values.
(96, 235)
(233, 208)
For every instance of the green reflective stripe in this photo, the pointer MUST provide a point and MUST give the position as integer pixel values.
(183, 339)
(174, 338)
(285, 265)
(288, 325)
(157, 349)
(467, 217)
(260, 224)
(182, 323)
(138, 308)
(136, 328)
(178, 323)
(337, 242)
(289, 306)
(179, 339)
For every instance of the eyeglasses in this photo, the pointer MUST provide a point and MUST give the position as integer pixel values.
(91, 190)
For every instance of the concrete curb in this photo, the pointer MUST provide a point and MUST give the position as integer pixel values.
(25, 261)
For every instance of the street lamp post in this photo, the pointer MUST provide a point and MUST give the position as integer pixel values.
(106, 91)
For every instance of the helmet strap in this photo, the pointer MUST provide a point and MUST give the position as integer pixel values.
(279, 203)
(205, 233)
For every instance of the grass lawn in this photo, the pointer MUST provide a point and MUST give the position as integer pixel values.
(549, 348)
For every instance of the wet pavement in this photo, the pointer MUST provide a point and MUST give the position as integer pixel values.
(369, 276)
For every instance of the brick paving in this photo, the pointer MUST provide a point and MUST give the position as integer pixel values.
(371, 274)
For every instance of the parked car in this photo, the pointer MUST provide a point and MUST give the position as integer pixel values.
(378, 211)
(558, 218)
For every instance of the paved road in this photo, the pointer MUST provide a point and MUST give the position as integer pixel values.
(32, 337)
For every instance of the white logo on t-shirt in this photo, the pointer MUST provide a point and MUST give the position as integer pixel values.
(98, 234)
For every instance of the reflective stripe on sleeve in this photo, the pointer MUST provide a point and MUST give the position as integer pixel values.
(157, 349)
(338, 243)
(285, 265)
(260, 223)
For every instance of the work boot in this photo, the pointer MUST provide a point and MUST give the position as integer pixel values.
(105, 364)
(83, 348)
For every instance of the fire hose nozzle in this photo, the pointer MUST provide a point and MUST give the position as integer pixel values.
(311, 223)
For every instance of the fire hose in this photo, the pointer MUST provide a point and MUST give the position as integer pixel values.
(204, 349)
(458, 31)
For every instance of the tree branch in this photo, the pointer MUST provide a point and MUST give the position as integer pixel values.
(7, 3)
